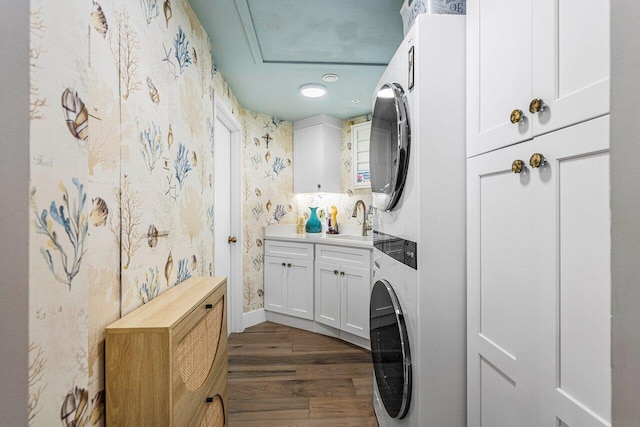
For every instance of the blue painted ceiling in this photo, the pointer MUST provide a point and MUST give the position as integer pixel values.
(267, 49)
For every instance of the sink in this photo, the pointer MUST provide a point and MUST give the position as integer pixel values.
(349, 237)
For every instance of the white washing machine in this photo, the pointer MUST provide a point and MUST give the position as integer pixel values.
(418, 162)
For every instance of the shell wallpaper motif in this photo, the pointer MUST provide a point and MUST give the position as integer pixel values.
(121, 142)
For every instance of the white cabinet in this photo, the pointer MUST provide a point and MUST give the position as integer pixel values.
(343, 286)
(539, 283)
(520, 51)
(316, 155)
(360, 135)
(288, 278)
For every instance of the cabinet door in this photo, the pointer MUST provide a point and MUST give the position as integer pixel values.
(573, 276)
(570, 61)
(355, 294)
(275, 284)
(300, 288)
(308, 154)
(498, 72)
(327, 294)
(500, 368)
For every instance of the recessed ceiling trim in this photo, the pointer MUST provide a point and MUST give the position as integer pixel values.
(249, 30)
(363, 64)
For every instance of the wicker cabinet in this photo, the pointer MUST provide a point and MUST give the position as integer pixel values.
(166, 362)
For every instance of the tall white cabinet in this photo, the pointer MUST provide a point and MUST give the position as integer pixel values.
(538, 232)
(522, 51)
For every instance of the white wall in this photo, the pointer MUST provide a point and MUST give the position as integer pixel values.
(14, 212)
(625, 205)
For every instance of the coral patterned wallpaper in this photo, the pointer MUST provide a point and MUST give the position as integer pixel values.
(121, 142)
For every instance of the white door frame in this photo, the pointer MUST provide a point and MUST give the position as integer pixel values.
(235, 310)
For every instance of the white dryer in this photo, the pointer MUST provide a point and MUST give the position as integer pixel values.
(417, 159)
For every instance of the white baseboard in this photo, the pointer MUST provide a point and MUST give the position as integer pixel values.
(253, 318)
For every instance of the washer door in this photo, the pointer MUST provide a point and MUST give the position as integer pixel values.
(390, 350)
(389, 146)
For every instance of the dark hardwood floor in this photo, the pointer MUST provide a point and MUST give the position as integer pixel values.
(286, 377)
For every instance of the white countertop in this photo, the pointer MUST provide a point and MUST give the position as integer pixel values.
(350, 238)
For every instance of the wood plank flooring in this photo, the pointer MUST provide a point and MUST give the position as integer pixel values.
(285, 377)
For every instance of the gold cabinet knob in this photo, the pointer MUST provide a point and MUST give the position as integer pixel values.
(335, 272)
(537, 105)
(516, 116)
(289, 265)
(284, 265)
(231, 240)
(342, 273)
(517, 166)
(537, 160)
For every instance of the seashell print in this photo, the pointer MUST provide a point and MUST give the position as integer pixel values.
(153, 92)
(98, 20)
(98, 408)
(170, 137)
(194, 55)
(268, 205)
(210, 181)
(288, 162)
(74, 407)
(289, 208)
(168, 13)
(75, 114)
(259, 243)
(194, 159)
(348, 146)
(267, 156)
(350, 193)
(256, 141)
(168, 267)
(194, 262)
(258, 192)
(99, 212)
(260, 292)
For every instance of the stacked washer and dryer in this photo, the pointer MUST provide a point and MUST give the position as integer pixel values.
(418, 299)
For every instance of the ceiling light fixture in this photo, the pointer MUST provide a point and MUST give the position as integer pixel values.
(330, 78)
(355, 100)
(313, 90)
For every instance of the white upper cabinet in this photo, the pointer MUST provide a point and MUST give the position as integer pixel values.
(518, 52)
(316, 155)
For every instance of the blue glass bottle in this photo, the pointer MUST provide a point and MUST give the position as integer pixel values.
(313, 223)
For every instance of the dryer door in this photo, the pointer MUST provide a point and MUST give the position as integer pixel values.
(389, 146)
(390, 350)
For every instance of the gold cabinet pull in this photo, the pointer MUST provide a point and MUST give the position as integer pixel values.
(517, 166)
(284, 265)
(537, 105)
(335, 272)
(516, 116)
(232, 240)
(289, 265)
(342, 273)
(537, 160)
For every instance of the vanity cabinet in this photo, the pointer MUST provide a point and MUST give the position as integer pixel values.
(166, 362)
(360, 135)
(520, 52)
(343, 287)
(316, 155)
(539, 283)
(288, 278)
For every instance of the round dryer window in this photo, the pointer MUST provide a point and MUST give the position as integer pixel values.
(389, 146)
(390, 350)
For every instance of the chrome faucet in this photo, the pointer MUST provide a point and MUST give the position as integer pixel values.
(365, 226)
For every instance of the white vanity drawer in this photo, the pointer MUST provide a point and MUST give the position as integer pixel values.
(288, 249)
(344, 256)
